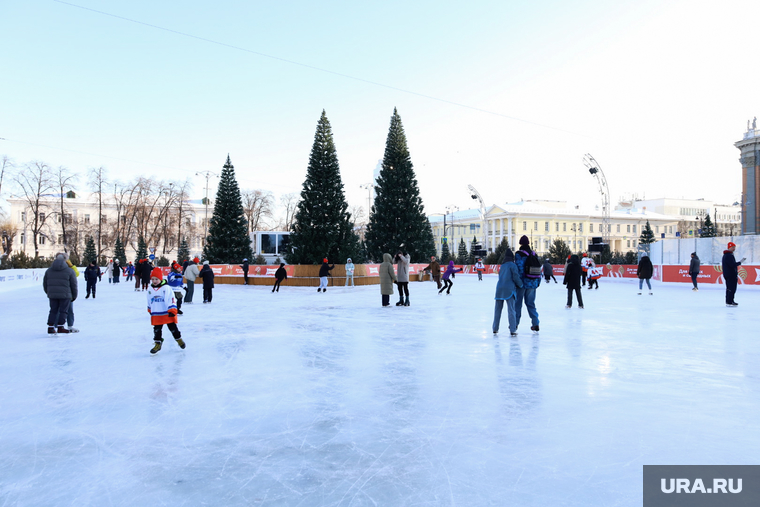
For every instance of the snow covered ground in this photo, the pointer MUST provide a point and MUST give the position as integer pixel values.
(300, 398)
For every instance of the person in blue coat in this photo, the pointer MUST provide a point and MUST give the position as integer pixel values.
(506, 290)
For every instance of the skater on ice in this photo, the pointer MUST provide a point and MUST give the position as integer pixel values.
(480, 268)
(447, 283)
(548, 271)
(280, 275)
(174, 280)
(162, 309)
(387, 279)
(435, 270)
(402, 259)
(207, 275)
(60, 285)
(573, 282)
(694, 269)
(244, 267)
(506, 292)
(191, 274)
(645, 272)
(731, 273)
(91, 278)
(324, 272)
(530, 270)
(350, 272)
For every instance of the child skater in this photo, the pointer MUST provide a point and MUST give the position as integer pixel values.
(280, 275)
(573, 281)
(447, 283)
(479, 267)
(509, 280)
(162, 310)
(174, 280)
(594, 274)
(548, 270)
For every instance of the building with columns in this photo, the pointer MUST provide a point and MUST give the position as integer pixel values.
(750, 160)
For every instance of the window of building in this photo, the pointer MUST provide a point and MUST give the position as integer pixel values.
(628, 242)
(546, 226)
(268, 243)
(42, 217)
(23, 216)
(87, 219)
(556, 226)
(671, 229)
(634, 229)
(564, 226)
(23, 239)
(42, 239)
(657, 229)
(580, 227)
(68, 218)
(525, 226)
(590, 227)
(628, 229)
(535, 226)
(618, 227)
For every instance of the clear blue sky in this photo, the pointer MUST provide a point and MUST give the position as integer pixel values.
(657, 92)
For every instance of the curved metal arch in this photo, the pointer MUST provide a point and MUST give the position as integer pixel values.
(476, 195)
(596, 171)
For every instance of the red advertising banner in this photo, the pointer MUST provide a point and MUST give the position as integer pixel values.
(748, 275)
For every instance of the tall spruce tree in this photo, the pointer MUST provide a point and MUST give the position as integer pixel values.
(90, 254)
(472, 258)
(228, 241)
(183, 253)
(497, 256)
(445, 253)
(398, 216)
(558, 251)
(322, 225)
(118, 252)
(142, 248)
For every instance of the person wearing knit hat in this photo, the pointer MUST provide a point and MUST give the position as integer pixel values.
(731, 273)
(207, 275)
(245, 271)
(174, 280)
(162, 308)
(531, 282)
(324, 272)
(694, 269)
(146, 274)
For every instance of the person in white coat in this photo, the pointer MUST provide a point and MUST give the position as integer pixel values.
(350, 272)
(402, 259)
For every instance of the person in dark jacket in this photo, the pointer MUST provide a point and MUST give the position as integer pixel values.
(730, 273)
(116, 270)
(130, 271)
(506, 291)
(91, 276)
(528, 291)
(573, 281)
(548, 270)
(645, 272)
(279, 275)
(435, 270)
(60, 285)
(694, 269)
(207, 275)
(245, 271)
(324, 272)
(139, 264)
(145, 274)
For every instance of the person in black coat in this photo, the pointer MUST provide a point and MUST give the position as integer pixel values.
(145, 274)
(116, 270)
(91, 276)
(245, 270)
(60, 285)
(279, 276)
(139, 263)
(645, 272)
(548, 270)
(208, 281)
(573, 281)
(324, 272)
(730, 273)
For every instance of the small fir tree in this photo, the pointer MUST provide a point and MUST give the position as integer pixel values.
(472, 258)
(647, 237)
(497, 256)
(708, 228)
(142, 248)
(462, 254)
(183, 253)
(228, 241)
(631, 257)
(558, 251)
(119, 252)
(90, 254)
(162, 262)
(322, 225)
(397, 215)
(606, 257)
(445, 253)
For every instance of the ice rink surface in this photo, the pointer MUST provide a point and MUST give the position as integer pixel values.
(306, 399)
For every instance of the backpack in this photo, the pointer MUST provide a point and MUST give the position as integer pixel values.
(532, 266)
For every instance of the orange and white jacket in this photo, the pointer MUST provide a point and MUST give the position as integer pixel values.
(162, 306)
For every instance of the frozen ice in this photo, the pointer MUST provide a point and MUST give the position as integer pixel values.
(302, 398)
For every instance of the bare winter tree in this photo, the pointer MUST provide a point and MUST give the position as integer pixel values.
(7, 234)
(6, 164)
(258, 205)
(64, 181)
(36, 181)
(98, 183)
(357, 215)
(182, 221)
(290, 203)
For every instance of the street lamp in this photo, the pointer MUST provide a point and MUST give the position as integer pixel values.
(207, 174)
(368, 187)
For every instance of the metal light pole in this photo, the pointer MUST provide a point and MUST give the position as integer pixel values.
(369, 187)
(207, 174)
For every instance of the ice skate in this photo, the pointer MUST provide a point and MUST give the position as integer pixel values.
(568, 306)
(180, 342)
(513, 334)
(72, 329)
(651, 293)
(534, 329)
(581, 307)
(406, 303)
(180, 312)
(639, 293)
(731, 305)
(87, 296)
(51, 330)
(400, 302)
(62, 330)
(156, 347)
(319, 290)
